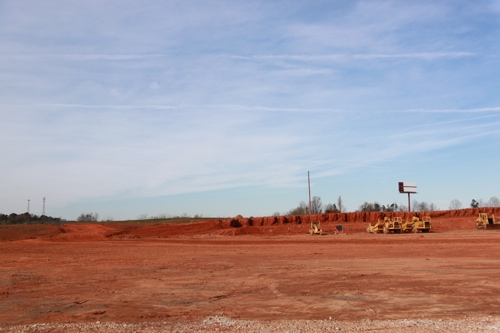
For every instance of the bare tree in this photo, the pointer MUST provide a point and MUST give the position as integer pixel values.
(91, 217)
(370, 207)
(393, 207)
(455, 204)
(402, 208)
(415, 205)
(423, 207)
(316, 205)
(300, 210)
(331, 208)
(494, 202)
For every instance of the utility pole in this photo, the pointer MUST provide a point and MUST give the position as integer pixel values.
(28, 206)
(309, 187)
(43, 206)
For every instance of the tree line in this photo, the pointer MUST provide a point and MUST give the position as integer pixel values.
(493, 202)
(318, 208)
(28, 218)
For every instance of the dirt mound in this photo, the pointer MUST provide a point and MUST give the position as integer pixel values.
(171, 230)
(28, 231)
(82, 232)
(463, 219)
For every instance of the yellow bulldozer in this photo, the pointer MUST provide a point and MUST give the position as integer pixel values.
(392, 225)
(485, 222)
(422, 224)
(375, 228)
(417, 224)
(315, 229)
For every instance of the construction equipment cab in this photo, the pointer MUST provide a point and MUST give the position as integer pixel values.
(421, 224)
(315, 229)
(392, 225)
(485, 222)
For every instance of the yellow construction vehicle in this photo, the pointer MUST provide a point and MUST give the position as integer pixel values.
(421, 224)
(375, 228)
(315, 229)
(485, 222)
(407, 225)
(392, 225)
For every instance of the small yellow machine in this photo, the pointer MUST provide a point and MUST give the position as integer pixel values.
(315, 229)
(392, 225)
(485, 222)
(421, 224)
(375, 228)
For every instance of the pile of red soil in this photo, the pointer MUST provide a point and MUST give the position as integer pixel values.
(463, 219)
(28, 231)
(442, 221)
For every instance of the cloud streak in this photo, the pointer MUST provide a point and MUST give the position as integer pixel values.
(169, 98)
(359, 56)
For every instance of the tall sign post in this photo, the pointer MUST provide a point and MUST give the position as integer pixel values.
(407, 187)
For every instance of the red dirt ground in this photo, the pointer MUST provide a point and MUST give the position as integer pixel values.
(255, 268)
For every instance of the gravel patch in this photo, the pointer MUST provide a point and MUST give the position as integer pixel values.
(226, 324)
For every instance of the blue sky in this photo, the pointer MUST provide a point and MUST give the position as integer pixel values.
(220, 108)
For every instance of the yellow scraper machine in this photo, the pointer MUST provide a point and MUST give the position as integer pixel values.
(417, 224)
(485, 222)
(396, 225)
(315, 229)
(385, 226)
(422, 224)
(375, 228)
(408, 225)
(392, 225)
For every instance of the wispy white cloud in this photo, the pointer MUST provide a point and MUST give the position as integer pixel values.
(165, 98)
(358, 56)
(217, 107)
(472, 110)
(83, 56)
(373, 26)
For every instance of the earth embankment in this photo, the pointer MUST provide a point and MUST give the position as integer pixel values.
(442, 221)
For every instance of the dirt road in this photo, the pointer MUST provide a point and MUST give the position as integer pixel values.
(63, 279)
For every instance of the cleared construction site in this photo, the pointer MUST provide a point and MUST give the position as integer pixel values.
(234, 273)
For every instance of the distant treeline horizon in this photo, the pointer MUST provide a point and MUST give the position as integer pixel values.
(27, 218)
